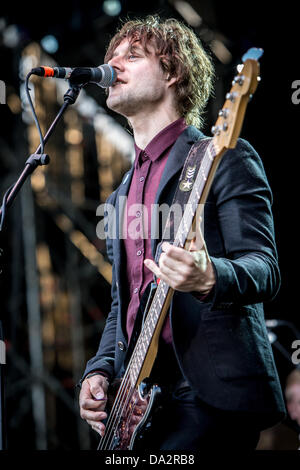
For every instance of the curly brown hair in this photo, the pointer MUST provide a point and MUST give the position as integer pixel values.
(181, 55)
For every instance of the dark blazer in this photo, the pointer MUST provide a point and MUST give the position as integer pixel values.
(221, 343)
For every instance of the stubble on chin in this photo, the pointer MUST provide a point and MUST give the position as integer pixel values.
(124, 105)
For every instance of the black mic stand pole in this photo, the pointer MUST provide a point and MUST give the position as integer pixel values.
(31, 164)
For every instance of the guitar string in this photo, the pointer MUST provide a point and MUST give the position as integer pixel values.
(113, 416)
(119, 414)
(128, 396)
(115, 413)
(121, 403)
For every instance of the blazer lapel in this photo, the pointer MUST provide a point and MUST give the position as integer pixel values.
(119, 211)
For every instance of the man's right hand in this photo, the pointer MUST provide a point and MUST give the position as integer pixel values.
(92, 401)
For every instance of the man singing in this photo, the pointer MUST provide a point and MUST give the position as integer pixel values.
(214, 357)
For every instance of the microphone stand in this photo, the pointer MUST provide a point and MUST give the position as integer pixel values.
(36, 158)
(31, 164)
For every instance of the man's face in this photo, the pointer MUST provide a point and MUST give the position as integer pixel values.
(141, 83)
(293, 402)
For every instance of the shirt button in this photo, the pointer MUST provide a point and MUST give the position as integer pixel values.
(139, 252)
(121, 345)
(138, 214)
(142, 179)
(135, 290)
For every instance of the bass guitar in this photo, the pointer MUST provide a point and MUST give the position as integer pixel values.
(135, 400)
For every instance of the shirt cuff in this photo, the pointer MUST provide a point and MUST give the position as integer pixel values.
(203, 297)
(105, 374)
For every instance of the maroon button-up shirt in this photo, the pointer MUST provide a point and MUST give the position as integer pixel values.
(148, 169)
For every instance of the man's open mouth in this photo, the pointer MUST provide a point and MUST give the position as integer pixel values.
(118, 82)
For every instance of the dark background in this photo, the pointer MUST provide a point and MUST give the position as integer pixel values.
(271, 125)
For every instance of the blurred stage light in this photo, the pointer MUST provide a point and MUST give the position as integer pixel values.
(2, 24)
(272, 337)
(14, 103)
(112, 7)
(214, 40)
(221, 51)
(188, 13)
(11, 36)
(50, 44)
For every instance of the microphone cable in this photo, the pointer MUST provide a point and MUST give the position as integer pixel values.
(27, 89)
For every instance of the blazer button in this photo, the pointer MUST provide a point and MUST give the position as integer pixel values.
(121, 345)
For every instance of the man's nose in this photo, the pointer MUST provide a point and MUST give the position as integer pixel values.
(116, 62)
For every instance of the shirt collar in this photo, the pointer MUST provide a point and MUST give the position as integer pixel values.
(163, 140)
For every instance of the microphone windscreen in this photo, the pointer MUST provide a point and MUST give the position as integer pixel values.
(109, 76)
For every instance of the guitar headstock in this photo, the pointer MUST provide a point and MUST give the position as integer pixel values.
(228, 125)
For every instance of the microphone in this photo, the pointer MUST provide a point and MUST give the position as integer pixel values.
(104, 75)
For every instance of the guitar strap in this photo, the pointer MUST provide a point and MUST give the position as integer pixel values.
(182, 193)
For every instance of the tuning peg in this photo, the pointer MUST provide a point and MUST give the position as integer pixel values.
(225, 126)
(215, 130)
(224, 113)
(231, 96)
(238, 79)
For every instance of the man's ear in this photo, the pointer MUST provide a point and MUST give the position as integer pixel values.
(167, 75)
(171, 80)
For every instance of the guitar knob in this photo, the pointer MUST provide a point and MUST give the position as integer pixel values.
(225, 126)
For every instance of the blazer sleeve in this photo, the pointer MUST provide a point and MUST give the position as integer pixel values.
(105, 356)
(249, 272)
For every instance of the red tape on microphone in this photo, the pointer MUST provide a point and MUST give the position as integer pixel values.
(48, 71)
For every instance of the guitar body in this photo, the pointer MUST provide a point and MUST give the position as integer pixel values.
(136, 417)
